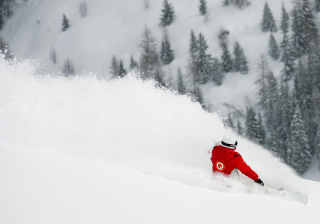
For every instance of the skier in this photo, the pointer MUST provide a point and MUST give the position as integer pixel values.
(224, 159)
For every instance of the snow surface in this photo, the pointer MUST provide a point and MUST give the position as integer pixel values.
(83, 150)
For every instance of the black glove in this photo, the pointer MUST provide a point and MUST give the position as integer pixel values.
(260, 182)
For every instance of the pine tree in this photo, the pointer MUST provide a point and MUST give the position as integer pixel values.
(204, 61)
(203, 7)
(240, 131)
(286, 51)
(297, 39)
(53, 55)
(242, 3)
(252, 127)
(68, 69)
(240, 63)
(264, 70)
(168, 16)
(216, 71)
(298, 153)
(181, 85)
(133, 63)
(261, 135)
(193, 50)
(268, 23)
(83, 9)
(228, 122)
(122, 70)
(311, 36)
(226, 60)
(273, 48)
(158, 77)
(114, 68)
(166, 53)
(149, 60)
(65, 23)
(317, 5)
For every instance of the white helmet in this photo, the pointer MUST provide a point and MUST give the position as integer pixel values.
(229, 141)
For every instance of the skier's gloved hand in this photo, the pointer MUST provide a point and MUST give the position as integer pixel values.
(259, 182)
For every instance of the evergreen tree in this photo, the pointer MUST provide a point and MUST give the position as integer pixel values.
(204, 61)
(203, 7)
(226, 60)
(273, 48)
(298, 153)
(83, 9)
(216, 71)
(149, 60)
(270, 106)
(181, 85)
(166, 53)
(1, 20)
(287, 56)
(167, 14)
(193, 50)
(317, 5)
(252, 127)
(268, 23)
(297, 38)
(261, 135)
(228, 122)
(133, 63)
(240, 131)
(114, 68)
(65, 23)
(240, 63)
(122, 70)
(53, 55)
(68, 68)
(311, 36)
(158, 77)
(264, 70)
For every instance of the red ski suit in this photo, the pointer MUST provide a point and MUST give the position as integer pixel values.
(225, 160)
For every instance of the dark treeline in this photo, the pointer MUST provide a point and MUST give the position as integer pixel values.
(287, 118)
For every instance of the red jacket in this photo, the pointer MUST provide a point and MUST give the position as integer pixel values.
(225, 160)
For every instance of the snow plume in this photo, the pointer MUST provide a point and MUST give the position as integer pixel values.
(125, 122)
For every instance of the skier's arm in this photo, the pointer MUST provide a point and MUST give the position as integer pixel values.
(241, 165)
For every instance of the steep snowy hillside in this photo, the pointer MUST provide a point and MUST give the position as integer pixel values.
(115, 28)
(83, 150)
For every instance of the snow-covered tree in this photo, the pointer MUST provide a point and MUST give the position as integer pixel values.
(297, 38)
(311, 32)
(114, 67)
(203, 7)
(287, 58)
(204, 61)
(239, 3)
(65, 23)
(216, 71)
(192, 66)
(166, 54)
(181, 87)
(68, 68)
(252, 127)
(317, 5)
(298, 152)
(53, 55)
(240, 63)
(133, 63)
(226, 60)
(122, 70)
(168, 15)
(149, 59)
(83, 9)
(268, 23)
(273, 48)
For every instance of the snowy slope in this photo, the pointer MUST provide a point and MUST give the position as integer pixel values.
(115, 27)
(83, 150)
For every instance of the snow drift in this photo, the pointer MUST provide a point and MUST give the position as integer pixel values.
(127, 122)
